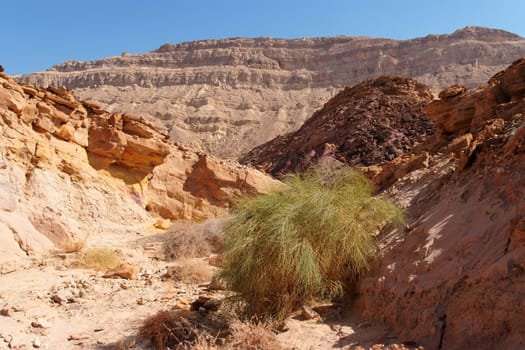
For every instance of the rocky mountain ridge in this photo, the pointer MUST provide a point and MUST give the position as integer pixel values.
(227, 96)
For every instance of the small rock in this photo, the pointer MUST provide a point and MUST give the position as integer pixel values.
(308, 313)
(141, 301)
(77, 337)
(213, 304)
(6, 312)
(57, 299)
(40, 323)
(205, 304)
(126, 271)
(162, 224)
(62, 297)
(37, 343)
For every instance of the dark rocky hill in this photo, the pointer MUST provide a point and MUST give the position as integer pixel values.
(370, 123)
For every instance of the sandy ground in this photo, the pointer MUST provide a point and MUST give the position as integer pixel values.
(102, 312)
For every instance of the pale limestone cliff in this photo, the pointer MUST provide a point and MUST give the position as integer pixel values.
(228, 96)
(69, 169)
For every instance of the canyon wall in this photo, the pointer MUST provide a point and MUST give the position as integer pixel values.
(69, 169)
(454, 278)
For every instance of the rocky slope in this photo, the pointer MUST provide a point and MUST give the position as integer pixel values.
(228, 96)
(454, 278)
(367, 124)
(69, 169)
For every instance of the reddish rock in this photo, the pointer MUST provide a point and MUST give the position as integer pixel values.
(12, 99)
(469, 111)
(367, 124)
(452, 91)
(106, 142)
(65, 132)
(454, 277)
(125, 271)
(44, 125)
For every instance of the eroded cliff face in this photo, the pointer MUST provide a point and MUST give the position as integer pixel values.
(228, 96)
(69, 169)
(454, 278)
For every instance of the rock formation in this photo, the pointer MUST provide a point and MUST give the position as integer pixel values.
(228, 96)
(69, 169)
(454, 278)
(367, 124)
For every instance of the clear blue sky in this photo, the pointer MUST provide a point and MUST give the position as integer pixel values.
(36, 34)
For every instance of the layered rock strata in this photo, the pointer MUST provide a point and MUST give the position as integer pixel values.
(228, 96)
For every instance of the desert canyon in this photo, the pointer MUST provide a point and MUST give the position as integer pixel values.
(131, 152)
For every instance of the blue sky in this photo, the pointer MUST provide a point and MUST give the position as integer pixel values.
(37, 34)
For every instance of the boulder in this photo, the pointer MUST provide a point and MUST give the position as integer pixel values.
(125, 271)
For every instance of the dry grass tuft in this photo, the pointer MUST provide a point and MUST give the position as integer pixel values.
(194, 240)
(192, 271)
(252, 336)
(100, 259)
(183, 329)
(72, 245)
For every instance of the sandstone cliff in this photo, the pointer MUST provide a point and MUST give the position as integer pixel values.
(454, 278)
(366, 124)
(228, 96)
(69, 169)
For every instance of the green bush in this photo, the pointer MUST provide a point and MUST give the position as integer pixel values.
(309, 241)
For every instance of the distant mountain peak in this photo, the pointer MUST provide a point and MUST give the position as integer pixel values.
(468, 32)
(484, 33)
